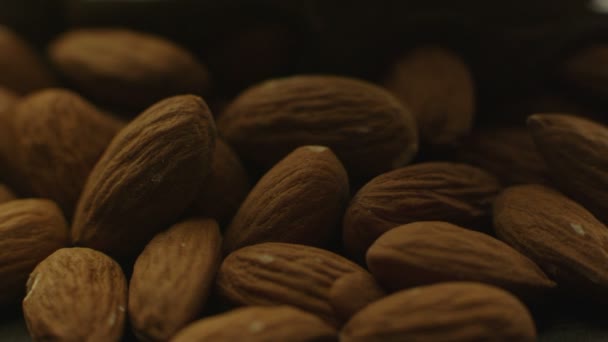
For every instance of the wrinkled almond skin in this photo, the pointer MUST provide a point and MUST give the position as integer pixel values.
(259, 324)
(76, 294)
(576, 151)
(367, 128)
(21, 69)
(561, 236)
(424, 253)
(455, 311)
(224, 188)
(6, 194)
(586, 69)
(300, 200)
(435, 191)
(30, 230)
(275, 273)
(149, 175)
(58, 138)
(438, 88)
(125, 68)
(352, 292)
(172, 278)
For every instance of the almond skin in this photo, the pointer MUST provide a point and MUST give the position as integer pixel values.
(6, 194)
(352, 292)
(300, 200)
(127, 69)
(7, 98)
(457, 311)
(30, 230)
(146, 178)
(260, 324)
(424, 253)
(367, 128)
(172, 278)
(576, 151)
(275, 273)
(441, 191)
(563, 238)
(51, 310)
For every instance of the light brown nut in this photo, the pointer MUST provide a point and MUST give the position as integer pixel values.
(367, 128)
(352, 292)
(275, 273)
(587, 69)
(259, 324)
(563, 238)
(436, 191)
(456, 311)
(147, 177)
(437, 86)
(576, 151)
(7, 98)
(424, 253)
(125, 68)
(30, 230)
(300, 200)
(6, 194)
(76, 294)
(172, 278)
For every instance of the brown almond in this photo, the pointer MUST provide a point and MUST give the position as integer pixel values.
(30, 230)
(260, 324)
(172, 278)
(456, 311)
(436, 191)
(148, 176)
(367, 127)
(300, 200)
(125, 68)
(352, 292)
(76, 294)
(561, 236)
(576, 151)
(424, 253)
(6, 194)
(7, 98)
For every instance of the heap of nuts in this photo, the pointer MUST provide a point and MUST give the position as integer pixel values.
(309, 208)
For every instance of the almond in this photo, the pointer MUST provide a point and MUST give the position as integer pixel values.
(147, 177)
(76, 294)
(7, 98)
(6, 194)
(563, 238)
(576, 151)
(172, 278)
(30, 230)
(125, 68)
(300, 200)
(367, 128)
(440, 191)
(253, 324)
(456, 311)
(352, 292)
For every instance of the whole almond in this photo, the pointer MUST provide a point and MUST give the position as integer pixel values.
(456, 311)
(125, 68)
(436, 191)
(260, 324)
(172, 278)
(6, 194)
(275, 273)
(563, 238)
(30, 230)
(576, 151)
(147, 177)
(424, 253)
(76, 294)
(367, 128)
(300, 200)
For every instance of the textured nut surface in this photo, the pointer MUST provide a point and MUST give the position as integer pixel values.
(172, 278)
(352, 292)
(6, 194)
(147, 177)
(126, 68)
(300, 200)
(444, 312)
(456, 193)
(260, 324)
(423, 253)
(96, 281)
(367, 128)
(30, 230)
(576, 151)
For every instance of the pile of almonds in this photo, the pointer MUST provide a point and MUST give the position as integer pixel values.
(311, 207)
